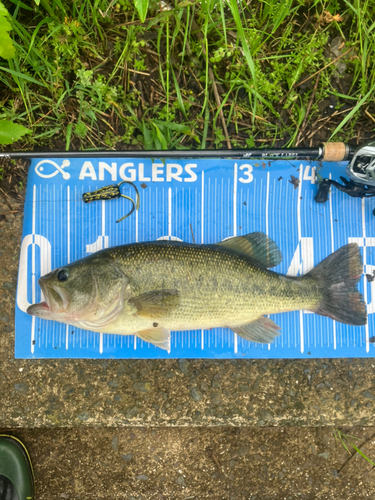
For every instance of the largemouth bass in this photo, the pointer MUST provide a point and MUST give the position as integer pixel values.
(149, 289)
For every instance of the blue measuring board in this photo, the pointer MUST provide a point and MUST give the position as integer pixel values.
(201, 201)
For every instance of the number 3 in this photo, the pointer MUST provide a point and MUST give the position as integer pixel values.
(249, 176)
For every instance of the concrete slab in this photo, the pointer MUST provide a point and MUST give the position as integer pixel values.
(174, 393)
(197, 464)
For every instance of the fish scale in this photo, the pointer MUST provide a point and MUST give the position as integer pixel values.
(215, 286)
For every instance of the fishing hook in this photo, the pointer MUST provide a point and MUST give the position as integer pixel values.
(111, 192)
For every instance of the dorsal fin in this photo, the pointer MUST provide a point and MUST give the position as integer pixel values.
(258, 246)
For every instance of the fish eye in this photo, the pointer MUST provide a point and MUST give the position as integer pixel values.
(62, 275)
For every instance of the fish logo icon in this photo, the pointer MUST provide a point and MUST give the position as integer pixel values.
(39, 169)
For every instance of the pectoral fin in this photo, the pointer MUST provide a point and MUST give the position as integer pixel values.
(262, 330)
(155, 304)
(258, 246)
(160, 337)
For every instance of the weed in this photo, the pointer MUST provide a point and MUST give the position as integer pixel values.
(348, 442)
(104, 74)
(6, 45)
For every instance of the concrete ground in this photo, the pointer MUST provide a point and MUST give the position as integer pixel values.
(178, 429)
(199, 463)
(112, 393)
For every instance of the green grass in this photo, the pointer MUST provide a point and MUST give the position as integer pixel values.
(91, 74)
(349, 444)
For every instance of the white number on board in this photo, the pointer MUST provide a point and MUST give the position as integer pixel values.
(248, 176)
(45, 267)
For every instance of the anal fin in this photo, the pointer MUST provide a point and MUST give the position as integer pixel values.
(262, 330)
(160, 337)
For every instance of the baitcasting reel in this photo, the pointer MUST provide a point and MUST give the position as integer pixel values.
(362, 166)
(361, 173)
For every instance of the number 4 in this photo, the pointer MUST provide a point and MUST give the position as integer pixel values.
(306, 176)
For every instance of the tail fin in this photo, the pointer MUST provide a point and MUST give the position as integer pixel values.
(337, 276)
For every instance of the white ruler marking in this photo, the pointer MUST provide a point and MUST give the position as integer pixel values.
(364, 267)
(33, 271)
(267, 200)
(136, 226)
(103, 218)
(103, 246)
(202, 209)
(68, 253)
(169, 212)
(267, 203)
(299, 243)
(235, 201)
(332, 250)
(235, 233)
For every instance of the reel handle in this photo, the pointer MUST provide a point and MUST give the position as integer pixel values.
(322, 194)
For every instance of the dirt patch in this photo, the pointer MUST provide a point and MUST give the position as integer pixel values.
(13, 175)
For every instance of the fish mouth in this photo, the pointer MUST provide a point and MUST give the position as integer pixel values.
(54, 299)
(55, 302)
(54, 296)
(42, 309)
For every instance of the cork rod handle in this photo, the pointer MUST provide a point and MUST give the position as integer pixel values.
(335, 151)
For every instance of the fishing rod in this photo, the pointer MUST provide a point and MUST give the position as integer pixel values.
(360, 168)
(330, 151)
